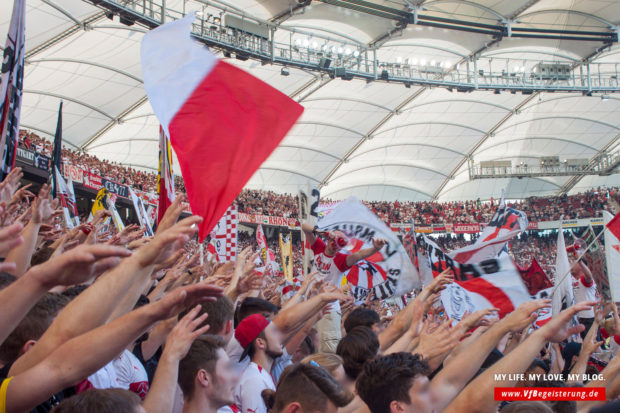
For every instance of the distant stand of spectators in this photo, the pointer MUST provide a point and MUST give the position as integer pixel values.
(424, 213)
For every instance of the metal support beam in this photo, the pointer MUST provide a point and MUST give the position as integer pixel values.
(70, 99)
(359, 143)
(482, 140)
(575, 179)
(114, 121)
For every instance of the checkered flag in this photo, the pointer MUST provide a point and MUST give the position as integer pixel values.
(225, 234)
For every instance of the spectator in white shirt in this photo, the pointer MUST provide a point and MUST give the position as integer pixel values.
(262, 342)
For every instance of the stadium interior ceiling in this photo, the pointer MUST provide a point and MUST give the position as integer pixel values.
(403, 99)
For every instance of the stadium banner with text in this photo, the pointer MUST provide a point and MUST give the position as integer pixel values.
(91, 181)
(71, 171)
(32, 158)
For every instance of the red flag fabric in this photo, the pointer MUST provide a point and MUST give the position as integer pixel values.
(614, 226)
(222, 122)
(534, 277)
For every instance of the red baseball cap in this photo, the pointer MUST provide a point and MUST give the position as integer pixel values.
(248, 329)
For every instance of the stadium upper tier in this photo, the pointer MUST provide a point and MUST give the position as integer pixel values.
(404, 100)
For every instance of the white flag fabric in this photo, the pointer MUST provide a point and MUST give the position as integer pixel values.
(72, 201)
(505, 225)
(111, 206)
(63, 193)
(563, 296)
(389, 272)
(308, 214)
(143, 218)
(225, 235)
(612, 256)
(492, 283)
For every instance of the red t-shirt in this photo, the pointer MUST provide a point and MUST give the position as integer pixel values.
(330, 267)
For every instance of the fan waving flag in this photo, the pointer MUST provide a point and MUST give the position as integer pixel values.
(222, 122)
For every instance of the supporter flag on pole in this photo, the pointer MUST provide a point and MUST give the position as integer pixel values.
(11, 83)
(100, 202)
(165, 177)
(563, 283)
(505, 225)
(111, 206)
(612, 253)
(388, 272)
(492, 283)
(73, 202)
(66, 200)
(57, 151)
(222, 122)
(212, 250)
(287, 254)
(308, 214)
(138, 206)
(265, 255)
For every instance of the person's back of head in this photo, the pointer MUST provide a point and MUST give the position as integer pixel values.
(329, 361)
(388, 380)
(101, 401)
(362, 317)
(309, 388)
(527, 407)
(221, 312)
(254, 305)
(360, 345)
(206, 368)
(32, 327)
(6, 279)
(558, 406)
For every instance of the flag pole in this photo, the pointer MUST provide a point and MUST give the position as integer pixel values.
(576, 261)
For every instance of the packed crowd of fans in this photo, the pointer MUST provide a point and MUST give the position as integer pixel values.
(99, 320)
(584, 205)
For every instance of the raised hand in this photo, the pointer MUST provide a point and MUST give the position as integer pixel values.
(436, 343)
(557, 329)
(78, 265)
(10, 184)
(378, 243)
(184, 297)
(43, 207)
(10, 238)
(22, 194)
(184, 333)
(172, 214)
(166, 243)
(524, 315)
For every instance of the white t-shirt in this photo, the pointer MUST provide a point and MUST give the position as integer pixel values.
(330, 267)
(234, 351)
(584, 292)
(124, 372)
(247, 394)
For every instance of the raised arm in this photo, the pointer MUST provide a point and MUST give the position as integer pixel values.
(291, 319)
(160, 398)
(377, 244)
(309, 232)
(97, 303)
(471, 399)
(456, 374)
(87, 353)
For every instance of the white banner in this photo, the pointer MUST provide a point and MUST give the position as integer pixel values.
(225, 235)
(141, 213)
(392, 266)
(612, 255)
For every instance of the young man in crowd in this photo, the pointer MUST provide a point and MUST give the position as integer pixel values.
(307, 388)
(262, 343)
(207, 376)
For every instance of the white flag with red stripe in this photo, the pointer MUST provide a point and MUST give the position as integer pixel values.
(492, 283)
(505, 225)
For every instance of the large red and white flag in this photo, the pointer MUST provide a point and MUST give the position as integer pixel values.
(165, 176)
(505, 225)
(492, 283)
(225, 235)
(222, 122)
(11, 83)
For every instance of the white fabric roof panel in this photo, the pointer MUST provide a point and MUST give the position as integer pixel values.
(374, 140)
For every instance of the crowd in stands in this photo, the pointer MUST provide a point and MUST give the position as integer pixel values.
(94, 319)
(584, 205)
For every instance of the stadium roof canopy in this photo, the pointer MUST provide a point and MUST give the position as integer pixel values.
(378, 138)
